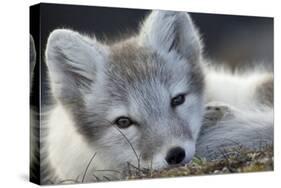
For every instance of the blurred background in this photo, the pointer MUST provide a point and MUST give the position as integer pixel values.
(227, 38)
(236, 41)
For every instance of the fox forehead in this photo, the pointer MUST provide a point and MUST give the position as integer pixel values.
(131, 66)
(138, 63)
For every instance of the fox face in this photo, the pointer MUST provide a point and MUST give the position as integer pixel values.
(139, 100)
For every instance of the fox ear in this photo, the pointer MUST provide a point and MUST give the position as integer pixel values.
(171, 31)
(73, 61)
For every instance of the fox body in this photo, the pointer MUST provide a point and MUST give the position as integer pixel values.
(149, 101)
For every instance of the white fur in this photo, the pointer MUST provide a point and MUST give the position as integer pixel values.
(117, 112)
(193, 110)
(85, 56)
(159, 29)
(236, 90)
(69, 153)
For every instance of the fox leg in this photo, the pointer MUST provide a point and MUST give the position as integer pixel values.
(216, 111)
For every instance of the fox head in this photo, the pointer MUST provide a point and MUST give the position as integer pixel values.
(137, 100)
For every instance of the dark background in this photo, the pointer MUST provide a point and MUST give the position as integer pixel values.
(231, 40)
(226, 38)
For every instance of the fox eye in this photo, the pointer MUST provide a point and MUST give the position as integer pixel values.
(123, 122)
(178, 100)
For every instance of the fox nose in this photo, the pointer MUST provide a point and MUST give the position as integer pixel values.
(175, 156)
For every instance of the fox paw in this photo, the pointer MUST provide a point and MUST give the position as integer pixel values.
(214, 112)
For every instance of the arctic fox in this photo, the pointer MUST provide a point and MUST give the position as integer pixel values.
(149, 101)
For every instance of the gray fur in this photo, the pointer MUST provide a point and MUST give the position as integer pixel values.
(34, 129)
(265, 91)
(32, 58)
(94, 84)
(226, 129)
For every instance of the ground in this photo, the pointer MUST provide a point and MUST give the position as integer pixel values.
(244, 161)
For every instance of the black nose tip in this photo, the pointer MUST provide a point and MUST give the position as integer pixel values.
(175, 156)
